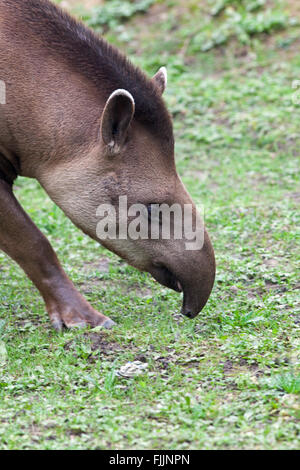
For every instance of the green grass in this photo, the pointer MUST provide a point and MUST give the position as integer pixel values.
(229, 378)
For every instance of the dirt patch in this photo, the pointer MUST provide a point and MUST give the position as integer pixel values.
(163, 362)
(102, 265)
(270, 286)
(93, 285)
(227, 366)
(157, 13)
(295, 196)
(232, 369)
(271, 262)
(293, 7)
(106, 347)
(98, 344)
(275, 286)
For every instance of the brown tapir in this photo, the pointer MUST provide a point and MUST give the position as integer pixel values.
(90, 127)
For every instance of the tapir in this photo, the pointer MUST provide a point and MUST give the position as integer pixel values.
(90, 127)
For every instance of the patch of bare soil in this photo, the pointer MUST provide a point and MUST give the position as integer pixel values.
(93, 285)
(231, 369)
(107, 347)
(99, 344)
(295, 196)
(156, 14)
(101, 265)
(293, 7)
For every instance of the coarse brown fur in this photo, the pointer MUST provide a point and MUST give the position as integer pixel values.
(90, 55)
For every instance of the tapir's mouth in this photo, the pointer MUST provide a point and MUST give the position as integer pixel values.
(165, 277)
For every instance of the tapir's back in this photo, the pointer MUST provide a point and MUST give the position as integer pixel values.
(58, 76)
(46, 99)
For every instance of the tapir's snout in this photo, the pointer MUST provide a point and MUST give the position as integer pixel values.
(195, 297)
(193, 274)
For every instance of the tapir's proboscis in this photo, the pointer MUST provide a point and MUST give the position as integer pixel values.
(90, 127)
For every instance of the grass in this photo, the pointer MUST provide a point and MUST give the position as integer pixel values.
(229, 378)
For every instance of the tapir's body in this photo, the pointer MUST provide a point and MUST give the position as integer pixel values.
(89, 127)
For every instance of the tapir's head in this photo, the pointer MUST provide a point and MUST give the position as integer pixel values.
(133, 163)
(138, 147)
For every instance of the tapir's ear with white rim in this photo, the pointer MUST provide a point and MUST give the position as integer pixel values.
(116, 118)
(161, 79)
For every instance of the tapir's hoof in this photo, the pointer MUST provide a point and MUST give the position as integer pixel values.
(57, 325)
(76, 313)
(76, 318)
(108, 324)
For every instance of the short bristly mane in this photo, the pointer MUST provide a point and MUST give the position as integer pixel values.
(93, 57)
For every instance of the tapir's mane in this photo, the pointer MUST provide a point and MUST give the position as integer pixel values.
(93, 57)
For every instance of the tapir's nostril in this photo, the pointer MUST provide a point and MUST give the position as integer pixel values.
(188, 314)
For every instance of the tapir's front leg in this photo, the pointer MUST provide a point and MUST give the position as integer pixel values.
(23, 242)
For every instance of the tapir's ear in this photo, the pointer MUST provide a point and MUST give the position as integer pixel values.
(161, 79)
(116, 118)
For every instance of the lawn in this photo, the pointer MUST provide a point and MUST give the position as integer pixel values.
(230, 378)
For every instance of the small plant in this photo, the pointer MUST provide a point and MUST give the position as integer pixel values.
(221, 5)
(114, 12)
(288, 383)
(240, 20)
